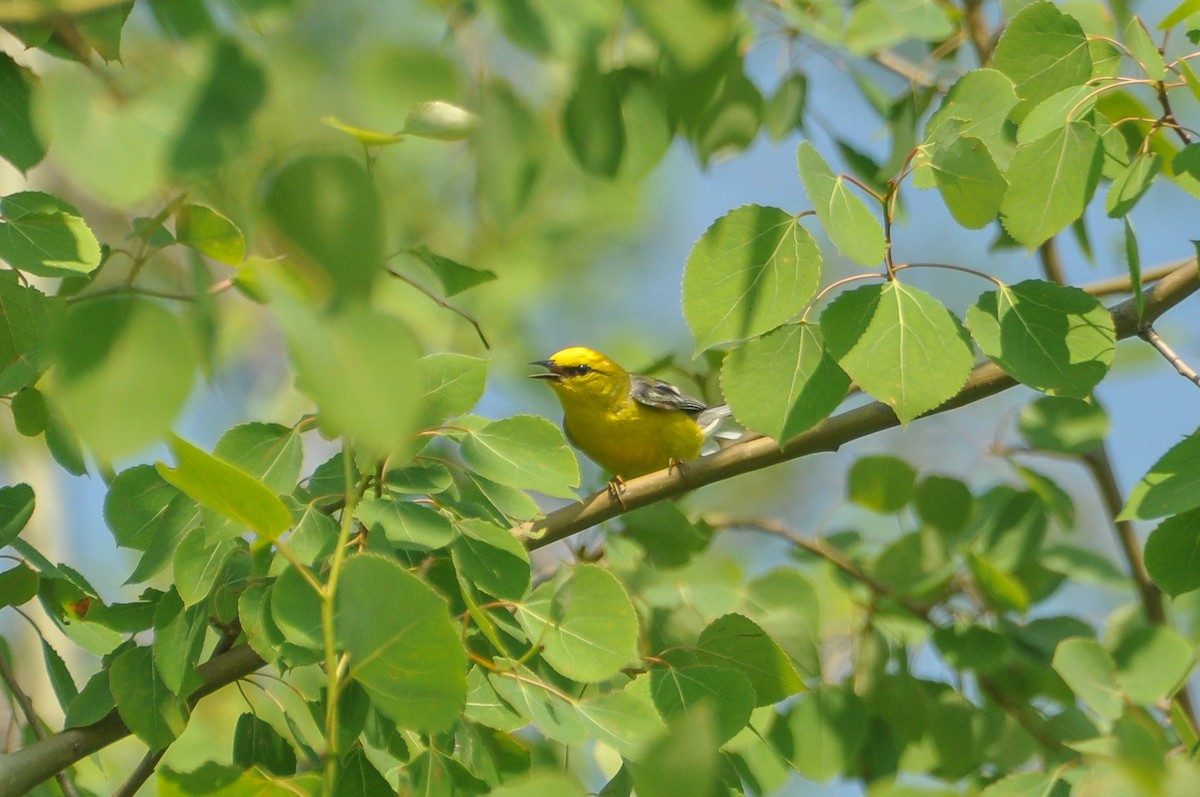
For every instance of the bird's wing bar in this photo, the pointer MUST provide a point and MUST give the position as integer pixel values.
(663, 395)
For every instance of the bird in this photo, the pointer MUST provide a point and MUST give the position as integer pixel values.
(628, 424)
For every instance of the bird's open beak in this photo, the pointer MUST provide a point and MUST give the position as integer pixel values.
(552, 372)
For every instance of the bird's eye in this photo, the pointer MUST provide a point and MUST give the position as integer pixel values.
(578, 370)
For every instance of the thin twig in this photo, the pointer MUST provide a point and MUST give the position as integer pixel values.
(140, 774)
(1154, 339)
(1168, 117)
(440, 302)
(35, 722)
(1051, 263)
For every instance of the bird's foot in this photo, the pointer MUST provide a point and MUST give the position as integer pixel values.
(616, 486)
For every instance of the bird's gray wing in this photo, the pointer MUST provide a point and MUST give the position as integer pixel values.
(663, 395)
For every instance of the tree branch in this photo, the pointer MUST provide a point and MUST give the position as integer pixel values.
(24, 769)
(755, 453)
(1162, 347)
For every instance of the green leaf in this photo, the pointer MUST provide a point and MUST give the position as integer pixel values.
(751, 271)
(899, 344)
(226, 489)
(296, 610)
(210, 233)
(1065, 425)
(270, 452)
(881, 483)
(971, 185)
(784, 382)
(29, 320)
(546, 708)
(681, 760)
(257, 744)
(1179, 14)
(509, 147)
(878, 24)
(197, 564)
(852, 227)
(147, 514)
(414, 670)
(784, 112)
(830, 727)
(1134, 258)
(539, 784)
(156, 716)
(328, 207)
(92, 703)
(17, 585)
(221, 111)
(524, 451)
(178, 641)
(492, 559)
(440, 121)
(1051, 337)
(1135, 180)
(406, 524)
(16, 507)
(1002, 590)
(43, 235)
(125, 368)
(737, 643)
(29, 412)
(1054, 497)
(625, 720)
(666, 535)
(692, 32)
(1145, 52)
(357, 364)
(1051, 114)
(1090, 672)
(1152, 661)
(585, 623)
(454, 276)
(592, 125)
(784, 604)
(684, 692)
(486, 707)
(1173, 553)
(19, 143)
(92, 129)
(453, 384)
(1172, 485)
(1051, 181)
(1043, 51)
(980, 102)
(944, 503)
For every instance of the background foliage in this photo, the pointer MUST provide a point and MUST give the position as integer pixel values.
(273, 270)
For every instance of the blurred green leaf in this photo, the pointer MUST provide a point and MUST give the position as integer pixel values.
(666, 535)
(210, 233)
(17, 585)
(584, 622)
(1089, 670)
(899, 344)
(439, 120)
(784, 382)
(16, 507)
(328, 207)
(19, 143)
(751, 271)
(1151, 661)
(592, 123)
(682, 759)
(508, 148)
(881, 483)
(692, 32)
(830, 727)
(539, 784)
(415, 671)
(1172, 485)
(784, 111)
(217, 127)
(944, 503)
(1065, 425)
(125, 368)
(850, 224)
(878, 24)
(1171, 551)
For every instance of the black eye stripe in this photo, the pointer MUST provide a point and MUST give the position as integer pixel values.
(578, 370)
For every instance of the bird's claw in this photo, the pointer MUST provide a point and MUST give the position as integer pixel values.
(616, 486)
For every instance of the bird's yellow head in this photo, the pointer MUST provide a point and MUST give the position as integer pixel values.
(579, 374)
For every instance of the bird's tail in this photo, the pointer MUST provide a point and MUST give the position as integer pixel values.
(710, 418)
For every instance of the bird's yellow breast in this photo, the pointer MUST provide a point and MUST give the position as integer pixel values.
(629, 438)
